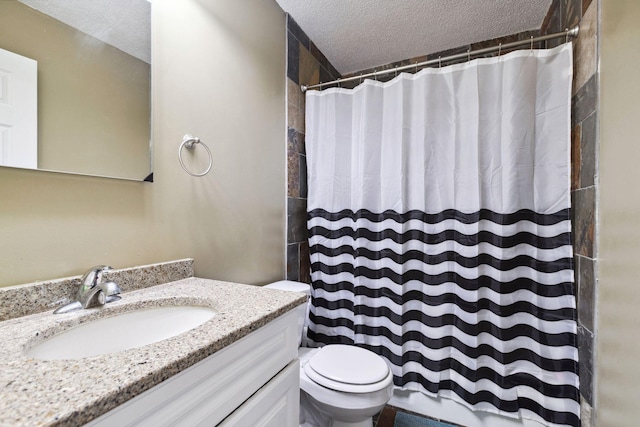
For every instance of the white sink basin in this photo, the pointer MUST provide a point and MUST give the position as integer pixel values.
(122, 332)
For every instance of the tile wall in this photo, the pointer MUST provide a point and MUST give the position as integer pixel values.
(306, 65)
(584, 180)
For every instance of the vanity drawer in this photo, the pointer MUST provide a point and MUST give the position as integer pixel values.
(206, 393)
(274, 405)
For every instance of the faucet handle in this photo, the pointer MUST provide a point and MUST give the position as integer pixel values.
(93, 276)
(101, 270)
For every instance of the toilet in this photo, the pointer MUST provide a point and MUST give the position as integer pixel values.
(340, 385)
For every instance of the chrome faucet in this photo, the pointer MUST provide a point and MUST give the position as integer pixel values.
(93, 291)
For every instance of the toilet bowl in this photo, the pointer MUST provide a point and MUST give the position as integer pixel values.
(340, 385)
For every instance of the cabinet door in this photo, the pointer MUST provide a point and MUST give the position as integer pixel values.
(277, 404)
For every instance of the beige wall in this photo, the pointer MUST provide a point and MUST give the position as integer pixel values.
(218, 74)
(618, 346)
(90, 94)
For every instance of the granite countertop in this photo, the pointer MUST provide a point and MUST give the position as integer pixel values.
(72, 392)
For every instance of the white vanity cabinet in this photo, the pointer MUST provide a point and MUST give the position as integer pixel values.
(252, 382)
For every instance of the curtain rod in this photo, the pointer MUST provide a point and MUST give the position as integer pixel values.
(568, 33)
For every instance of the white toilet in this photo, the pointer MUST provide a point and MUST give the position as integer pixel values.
(340, 385)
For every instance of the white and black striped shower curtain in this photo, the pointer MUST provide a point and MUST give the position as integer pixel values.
(439, 221)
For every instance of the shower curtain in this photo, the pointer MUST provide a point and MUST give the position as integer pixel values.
(440, 234)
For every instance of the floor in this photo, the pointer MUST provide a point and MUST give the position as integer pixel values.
(385, 418)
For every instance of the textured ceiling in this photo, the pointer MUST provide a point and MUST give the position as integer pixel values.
(124, 24)
(359, 34)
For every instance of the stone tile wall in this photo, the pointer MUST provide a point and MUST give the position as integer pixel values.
(584, 180)
(306, 65)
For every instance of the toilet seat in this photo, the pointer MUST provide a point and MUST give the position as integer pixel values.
(348, 369)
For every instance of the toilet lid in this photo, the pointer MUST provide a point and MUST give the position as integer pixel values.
(290, 285)
(347, 364)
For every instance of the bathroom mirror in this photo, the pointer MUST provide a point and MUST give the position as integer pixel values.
(81, 102)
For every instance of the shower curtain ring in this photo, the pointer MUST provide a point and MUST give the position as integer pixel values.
(375, 75)
(360, 82)
(439, 61)
(469, 54)
(499, 49)
(566, 37)
(416, 64)
(531, 43)
(396, 71)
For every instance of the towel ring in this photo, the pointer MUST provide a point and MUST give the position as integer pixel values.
(189, 142)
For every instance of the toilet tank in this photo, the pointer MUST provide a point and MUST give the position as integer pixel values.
(291, 286)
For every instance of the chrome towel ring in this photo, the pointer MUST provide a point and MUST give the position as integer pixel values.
(189, 142)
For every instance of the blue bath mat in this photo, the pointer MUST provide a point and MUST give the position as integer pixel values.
(407, 420)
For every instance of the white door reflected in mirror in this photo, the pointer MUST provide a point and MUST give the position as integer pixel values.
(18, 110)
